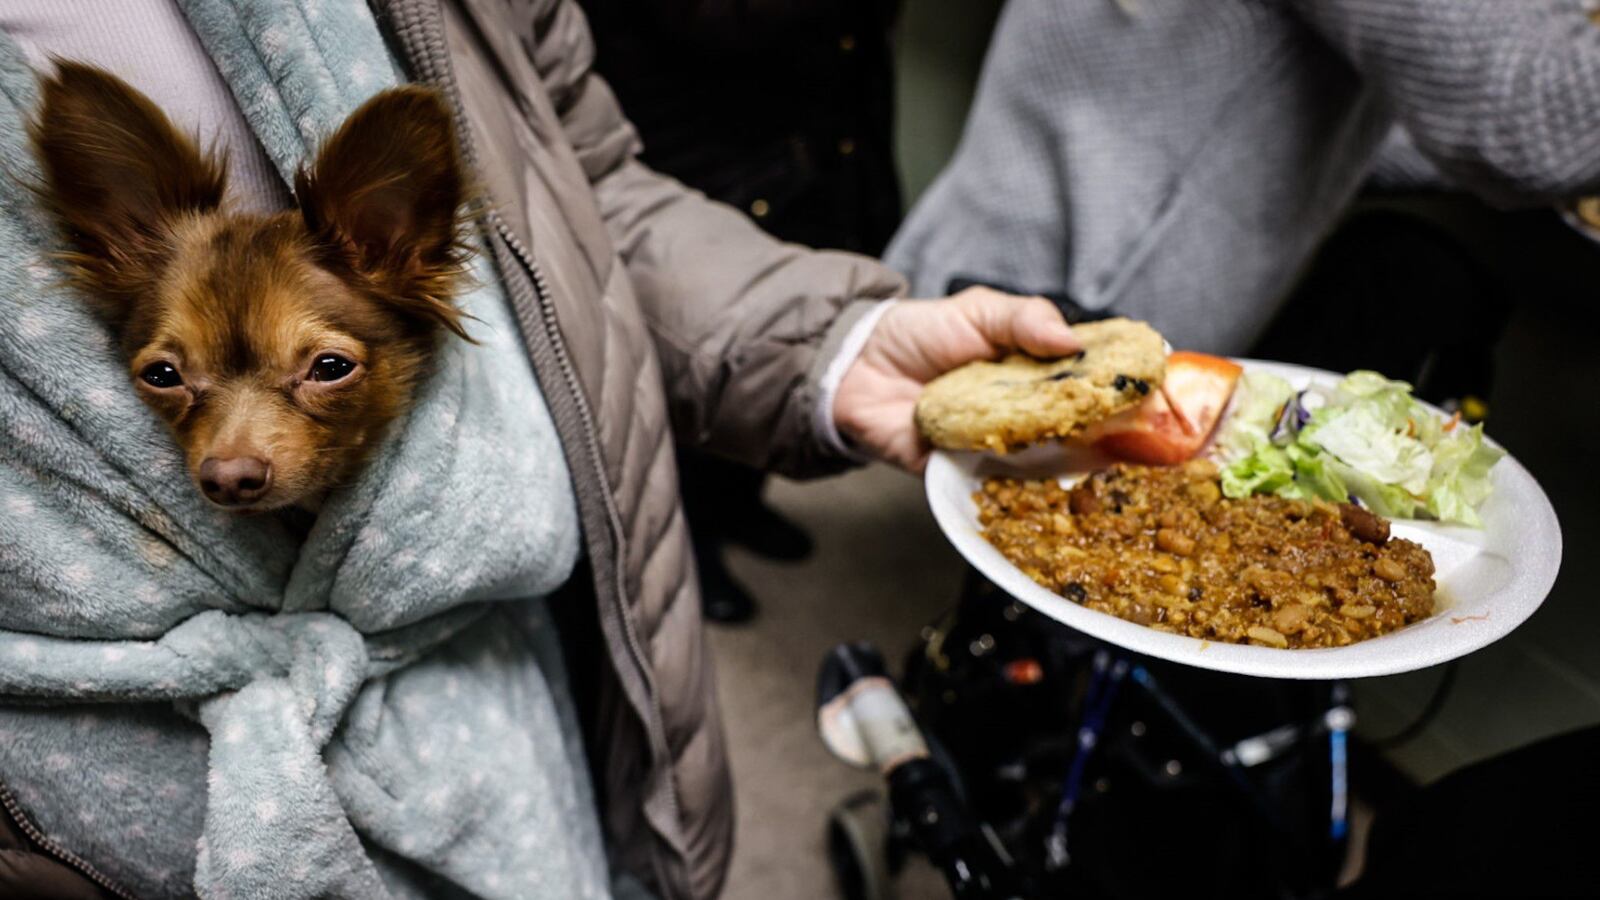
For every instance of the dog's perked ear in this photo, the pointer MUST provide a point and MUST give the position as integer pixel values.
(384, 201)
(117, 174)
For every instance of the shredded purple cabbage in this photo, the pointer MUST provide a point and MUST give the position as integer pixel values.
(1291, 418)
(1301, 414)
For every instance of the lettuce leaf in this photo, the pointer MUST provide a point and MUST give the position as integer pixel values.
(1373, 435)
(1294, 471)
(1256, 402)
(1386, 500)
(1314, 476)
(1372, 441)
(1266, 471)
(1459, 482)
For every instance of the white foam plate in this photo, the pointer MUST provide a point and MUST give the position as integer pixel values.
(1489, 580)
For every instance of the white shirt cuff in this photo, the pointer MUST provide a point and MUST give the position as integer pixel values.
(828, 387)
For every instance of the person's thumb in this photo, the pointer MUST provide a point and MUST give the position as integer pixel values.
(1041, 331)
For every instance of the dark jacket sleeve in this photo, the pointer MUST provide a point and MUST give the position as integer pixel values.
(743, 323)
(1502, 95)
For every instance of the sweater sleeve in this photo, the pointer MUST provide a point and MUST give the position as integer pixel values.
(1502, 95)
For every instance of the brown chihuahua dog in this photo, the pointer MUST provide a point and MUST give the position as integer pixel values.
(277, 347)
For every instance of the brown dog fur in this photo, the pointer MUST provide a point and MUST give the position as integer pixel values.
(247, 310)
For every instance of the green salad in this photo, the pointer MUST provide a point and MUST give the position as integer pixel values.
(1367, 440)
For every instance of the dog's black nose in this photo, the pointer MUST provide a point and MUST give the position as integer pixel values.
(232, 482)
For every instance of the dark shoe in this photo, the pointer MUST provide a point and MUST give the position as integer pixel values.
(722, 599)
(763, 531)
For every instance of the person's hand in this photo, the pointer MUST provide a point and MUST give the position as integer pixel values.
(919, 340)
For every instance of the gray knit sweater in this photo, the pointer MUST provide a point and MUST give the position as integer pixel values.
(1178, 160)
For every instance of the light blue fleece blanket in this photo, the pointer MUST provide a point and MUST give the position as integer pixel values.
(376, 723)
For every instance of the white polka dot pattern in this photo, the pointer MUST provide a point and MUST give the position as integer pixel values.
(387, 684)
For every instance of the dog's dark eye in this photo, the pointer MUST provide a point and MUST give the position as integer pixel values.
(331, 367)
(161, 375)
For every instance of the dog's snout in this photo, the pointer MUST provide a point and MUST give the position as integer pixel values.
(236, 481)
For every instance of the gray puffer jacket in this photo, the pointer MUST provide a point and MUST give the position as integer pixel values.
(649, 312)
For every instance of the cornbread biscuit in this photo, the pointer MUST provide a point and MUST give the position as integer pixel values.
(1020, 400)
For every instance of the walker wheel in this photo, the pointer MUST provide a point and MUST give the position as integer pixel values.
(858, 847)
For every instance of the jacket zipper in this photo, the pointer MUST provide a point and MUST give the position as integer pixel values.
(434, 65)
(547, 315)
(61, 854)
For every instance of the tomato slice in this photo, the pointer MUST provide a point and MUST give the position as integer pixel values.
(1173, 423)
